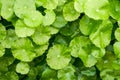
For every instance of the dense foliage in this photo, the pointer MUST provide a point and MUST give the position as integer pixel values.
(59, 39)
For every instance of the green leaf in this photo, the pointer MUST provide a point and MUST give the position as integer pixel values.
(33, 18)
(59, 21)
(49, 17)
(70, 29)
(41, 35)
(97, 9)
(50, 4)
(87, 25)
(9, 39)
(2, 32)
(89, 72)
(49, 74)
(22, 30)
(23, 50)
(61, 2)
(79, 5)
(115, 9)
(101, 37)
(21, 7)
(58, 57)
(22, 68)
(117, 34)
(67, 73)
(76, 43)
(52, 30)
(2, 50)
(82, 47)
(7, 9)
(12, 75)
(24, 54)
(69, 13)
(41, 49)
(116, 47)
(22, 43)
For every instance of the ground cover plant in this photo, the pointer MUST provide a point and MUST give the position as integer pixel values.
(59, 40)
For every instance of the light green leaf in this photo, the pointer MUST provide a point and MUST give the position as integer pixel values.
(101, 37)
(61, 2)
(41, 49)
(9, 39)
(52, 30)
(49, 17)
(67, 73)
(7, 9)
(24, 54)
(87, 25)
(76, 43)
(21, 7)
(22, 30)
(117, 34)
(58, 57)
(116, 47)
(49, 74)
(79, 5)
(115, 9)
(22, 68)
(2, 32)
(97, 9)
(50, 4)
(82, 47)
(2, 50)
(41, 35)
(59, 21)
(69, 13)
(22, 43)
(33, 18)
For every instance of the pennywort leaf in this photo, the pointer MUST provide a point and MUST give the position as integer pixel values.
(58, 56)
(33, 18)
(67, 73)
(102, 35)
(97, 9)
(79, 5)
(69, 13)
(22, 68)
(7, 9)
(22, 30)
(49, 17)
(21, 7)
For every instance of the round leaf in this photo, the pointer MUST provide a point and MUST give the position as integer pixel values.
(22, 68)
(79, 5)
(22, 30)
(21, 7)
(101, 37)
(59, 21)
(33, 18)
(49, 17)
(7, 9)
(97, 9)
(24, 54)
(69, 13)
(58, 57)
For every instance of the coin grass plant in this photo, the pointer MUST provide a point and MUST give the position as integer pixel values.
(59, 40)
